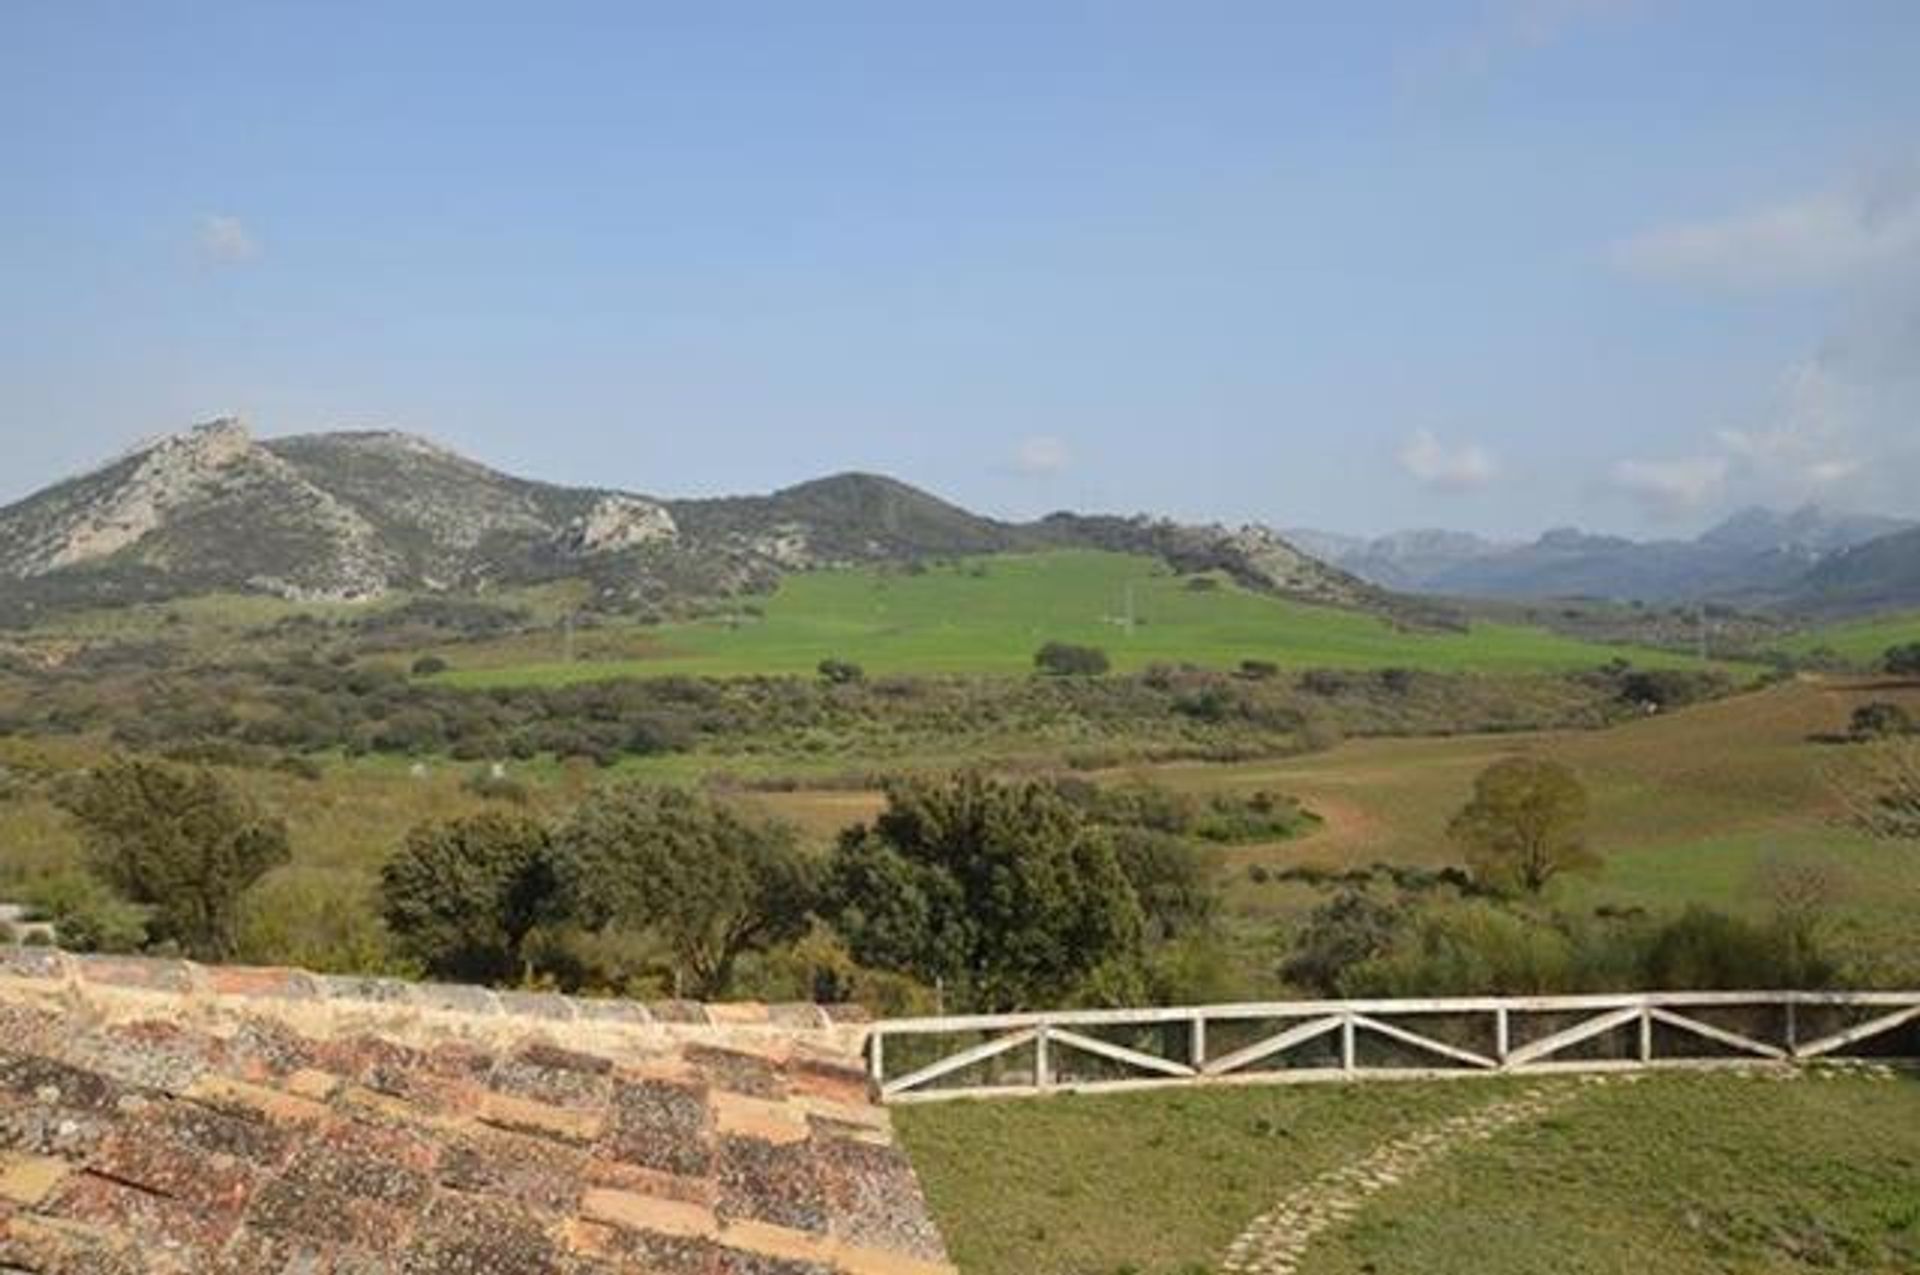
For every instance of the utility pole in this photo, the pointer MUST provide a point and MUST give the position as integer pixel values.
(1700, 616)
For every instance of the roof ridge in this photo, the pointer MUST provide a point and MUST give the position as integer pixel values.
(86, 972)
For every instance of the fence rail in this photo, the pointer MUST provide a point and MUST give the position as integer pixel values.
(990, 1055)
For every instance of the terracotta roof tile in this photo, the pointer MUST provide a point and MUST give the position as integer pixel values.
(160, 1118)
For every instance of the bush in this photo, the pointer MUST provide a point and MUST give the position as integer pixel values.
(1880, 720)
(1704, 950)
(1903, 660)
(1066, 659)
(428, 665)
(841, 672)
(178, 842)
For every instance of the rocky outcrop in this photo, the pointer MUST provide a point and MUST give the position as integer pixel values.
(621, 522)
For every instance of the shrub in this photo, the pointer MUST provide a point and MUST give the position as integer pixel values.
(841, 672)
(1066, 659)
(1903, 660)
(1880, 719)
(428, 665)
(178, 842)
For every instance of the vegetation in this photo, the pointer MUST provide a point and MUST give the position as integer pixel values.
(1002, 892)
(1067, 659)
(981, 616)
(1903, 660)
(1525, 825)
(1674, 1175)
(180, 844)
(708, 882)
(463, 897)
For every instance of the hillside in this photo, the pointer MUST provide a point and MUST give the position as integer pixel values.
(355, 516)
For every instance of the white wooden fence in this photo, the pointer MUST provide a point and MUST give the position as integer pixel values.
(921, 1059)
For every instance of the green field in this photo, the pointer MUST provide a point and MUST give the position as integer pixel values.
(989, 615)
(1863, 641)
(1673, 1175)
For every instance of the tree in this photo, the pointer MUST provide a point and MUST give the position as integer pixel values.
(180, 842)
(1904, 660)
(712, 883)
(1002, 891)
(1066, 659)
(1524, 825)
(463, 897)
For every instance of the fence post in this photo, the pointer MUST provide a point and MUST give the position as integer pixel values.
(1793, 1024)
(1197, 1042)
(1646, 1033)
(877, 1056)
(1042, 1060)
(1502, 1037)
(1346, 1041)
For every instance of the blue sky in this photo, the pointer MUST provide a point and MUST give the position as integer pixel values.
(1500, 265)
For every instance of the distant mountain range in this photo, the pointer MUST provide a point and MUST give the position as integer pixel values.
(348, 516)
(1807, 558)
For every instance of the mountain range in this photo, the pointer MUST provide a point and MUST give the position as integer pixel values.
(352, 516)
(1803, 559)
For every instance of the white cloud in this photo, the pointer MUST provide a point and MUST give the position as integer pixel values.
(1041, 454)
(1672, 487)
(1505, 29)
(227, 240)
(1827, 237)
(1433, 463)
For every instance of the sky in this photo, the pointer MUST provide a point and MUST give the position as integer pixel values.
(1497, 266)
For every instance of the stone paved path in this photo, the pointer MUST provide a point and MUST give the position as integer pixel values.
(1274, 1242)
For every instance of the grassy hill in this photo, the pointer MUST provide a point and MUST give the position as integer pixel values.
(1673, 1175)
(1686, 807)
(1861, 641)
(988, 615)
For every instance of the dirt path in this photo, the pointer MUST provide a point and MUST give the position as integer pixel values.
(1274, 1242)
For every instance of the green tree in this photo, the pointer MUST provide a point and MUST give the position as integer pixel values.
(712, 883)
(1524, 825)
(1904, 660)
(464, 896)
(179, 842)
(1066, 659)
(1002, 891)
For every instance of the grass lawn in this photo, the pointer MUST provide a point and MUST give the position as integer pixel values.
(1862, 640)
(1675, 1175)
(1151, 1183)
(990, 615)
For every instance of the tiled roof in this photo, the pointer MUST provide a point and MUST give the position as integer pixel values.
(166, 1118)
